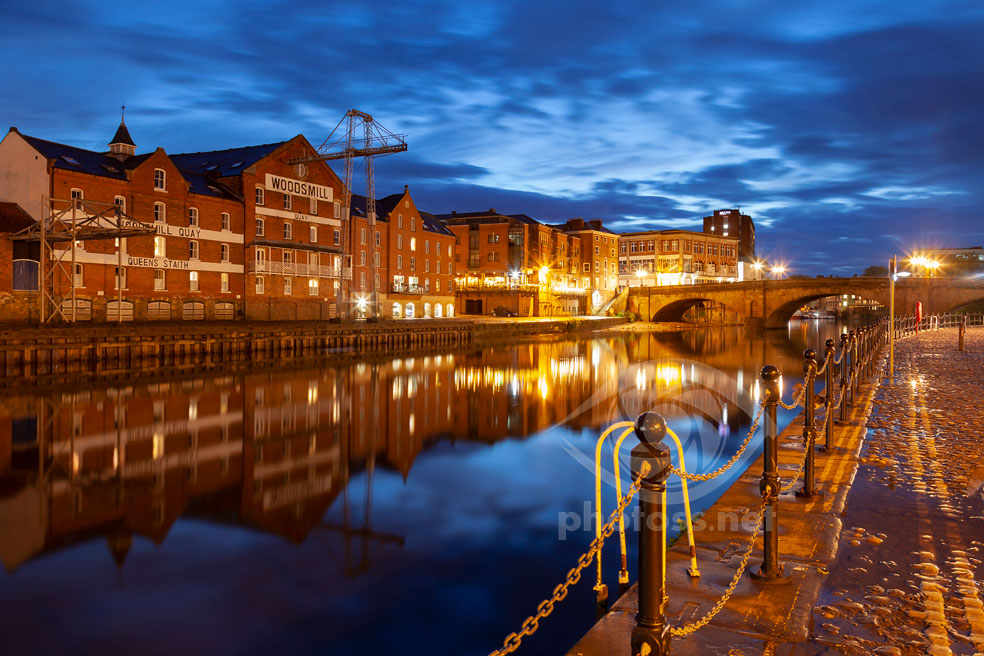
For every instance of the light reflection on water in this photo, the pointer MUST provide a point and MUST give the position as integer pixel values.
(409, 505)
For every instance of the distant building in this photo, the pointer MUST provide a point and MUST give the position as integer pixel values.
(952, 262)
(676, 257)
(732, 223)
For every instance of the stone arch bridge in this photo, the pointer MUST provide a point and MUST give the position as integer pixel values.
(771, 303)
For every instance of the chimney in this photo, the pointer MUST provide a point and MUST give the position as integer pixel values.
(491, 210)
(595, 223)
(453, 212)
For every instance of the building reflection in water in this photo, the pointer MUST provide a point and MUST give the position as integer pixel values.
(274, 450)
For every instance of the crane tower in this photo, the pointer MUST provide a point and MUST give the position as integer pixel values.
(357, 135)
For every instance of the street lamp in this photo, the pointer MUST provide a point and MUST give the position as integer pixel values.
(778, 270)
(640, 274)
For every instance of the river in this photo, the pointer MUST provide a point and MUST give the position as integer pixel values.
(414, 505)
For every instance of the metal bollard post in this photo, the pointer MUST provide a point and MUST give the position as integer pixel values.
(809, 490)
(845, 361)
(651, 634)
(770, 570)
(963, 329)
(829, 398)
(854, 365)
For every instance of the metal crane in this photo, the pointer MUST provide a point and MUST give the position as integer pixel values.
(358, 135)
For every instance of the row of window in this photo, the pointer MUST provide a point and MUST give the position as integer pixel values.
(673, 245)
(409, 311)
(194, 250)
(314, 286)
(160, 279)
(288, 203)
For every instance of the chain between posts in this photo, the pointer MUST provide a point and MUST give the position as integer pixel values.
(723, 468)
(695, 626)
(806, 453)
(532, 623)
(799, 398)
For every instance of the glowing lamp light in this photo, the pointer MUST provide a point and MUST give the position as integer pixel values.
(757, 265)
(361, 302)
(640, 273)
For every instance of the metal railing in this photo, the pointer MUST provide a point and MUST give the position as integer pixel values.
(295, 269)
(417, 290)
(651, 467)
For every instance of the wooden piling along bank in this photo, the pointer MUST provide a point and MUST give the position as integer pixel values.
(27, 352)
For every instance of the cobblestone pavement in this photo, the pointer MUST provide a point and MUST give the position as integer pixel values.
(908, 578)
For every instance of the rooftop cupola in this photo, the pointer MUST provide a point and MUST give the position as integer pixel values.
(122, 147)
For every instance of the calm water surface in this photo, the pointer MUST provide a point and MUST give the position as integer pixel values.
(416, 505)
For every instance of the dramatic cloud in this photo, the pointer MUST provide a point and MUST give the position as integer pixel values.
(848, 129)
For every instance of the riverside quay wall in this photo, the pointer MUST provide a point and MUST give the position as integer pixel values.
(108, 349)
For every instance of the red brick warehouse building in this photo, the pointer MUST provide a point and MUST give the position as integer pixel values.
(236, 233)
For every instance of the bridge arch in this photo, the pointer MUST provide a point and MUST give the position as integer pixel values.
(674, 310)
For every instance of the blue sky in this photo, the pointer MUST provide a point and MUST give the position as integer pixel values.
(849, 130)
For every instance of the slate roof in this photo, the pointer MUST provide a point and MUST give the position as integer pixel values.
(71, 158)
(122, 136)
(432, 224)
(384, 206)
(230, 161)
(13, 218)
(522, 218)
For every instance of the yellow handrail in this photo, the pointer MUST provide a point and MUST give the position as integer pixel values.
(623, 574)
(693, 571)
(601, 440)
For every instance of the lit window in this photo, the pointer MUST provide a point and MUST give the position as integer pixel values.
(224, 252)
(193, 281)
(160, 213)
(313, 234)
(259, 195)
(226, 223)
(160, 246)
(288, 231)
(193, 251)
(225, 282)
(413, 243)
(260, 228)
(288, 201)
(160, 181)
(313, 286)
(193, 217)
(159, 280)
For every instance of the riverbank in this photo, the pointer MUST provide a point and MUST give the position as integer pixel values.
(101, 349)
(757, 618)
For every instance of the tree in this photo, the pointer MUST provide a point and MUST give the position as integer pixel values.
(876, 271)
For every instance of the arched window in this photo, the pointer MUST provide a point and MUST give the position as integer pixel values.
(427, 310)
(450, 310)
(396, 311)
(438, 311)
(410, 310)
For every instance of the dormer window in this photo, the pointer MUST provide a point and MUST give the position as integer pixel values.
(160, 180)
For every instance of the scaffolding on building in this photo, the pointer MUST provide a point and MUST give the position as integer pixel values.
(357, 135)
(64, 225)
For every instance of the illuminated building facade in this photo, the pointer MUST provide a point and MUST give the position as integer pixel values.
(676, 257)
(732, 223)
